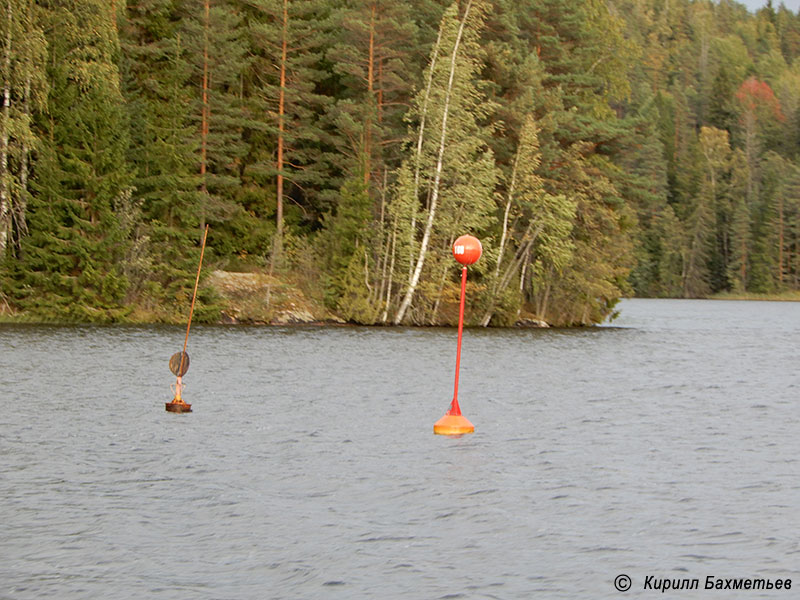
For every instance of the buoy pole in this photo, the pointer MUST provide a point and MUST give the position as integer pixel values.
(179, 365)
(194, 296)
(455, 409)
(177, 388)
(466, 250)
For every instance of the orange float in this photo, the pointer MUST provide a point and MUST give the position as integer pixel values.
(451, 424)
(467, 249)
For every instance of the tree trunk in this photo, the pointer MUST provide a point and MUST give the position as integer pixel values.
(524, 248)
(379, 115)
(743, 268)
(21, 206)
(442, 279)
(385, 315)
(493, 296)
(114, 14)
(384, 237)
(543, 299)
(505, 215)
(370, 92)
(780, 238)
(5, 199)
(418, 153)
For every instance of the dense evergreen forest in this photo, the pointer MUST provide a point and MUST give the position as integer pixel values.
(598, 148)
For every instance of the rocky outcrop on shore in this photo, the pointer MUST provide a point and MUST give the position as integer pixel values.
(260, 299)
(530, 322)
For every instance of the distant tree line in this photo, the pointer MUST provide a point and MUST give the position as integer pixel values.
(597, 148)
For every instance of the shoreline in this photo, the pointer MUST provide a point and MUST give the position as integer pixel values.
(299, 312)
(751, 296)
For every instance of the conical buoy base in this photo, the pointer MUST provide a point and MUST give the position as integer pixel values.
(178, 406)
(453, 425)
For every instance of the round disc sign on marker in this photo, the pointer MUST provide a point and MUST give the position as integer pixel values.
(467, 249)
(175, 364)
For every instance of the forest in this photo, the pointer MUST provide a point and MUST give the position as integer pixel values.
(598, 148)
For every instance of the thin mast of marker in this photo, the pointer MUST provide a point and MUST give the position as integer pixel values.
(455, 409)
(194, 297)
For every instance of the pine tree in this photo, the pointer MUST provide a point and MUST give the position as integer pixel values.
(217, 53)
(290, 40)
(372, 58)
(585, 58)
(602, 256)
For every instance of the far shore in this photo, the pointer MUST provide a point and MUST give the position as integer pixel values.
(296, 309)
(793, 296)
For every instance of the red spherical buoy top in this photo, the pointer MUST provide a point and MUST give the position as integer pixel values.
(467, 249)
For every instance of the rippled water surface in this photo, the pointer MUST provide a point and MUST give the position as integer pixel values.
(663, 444)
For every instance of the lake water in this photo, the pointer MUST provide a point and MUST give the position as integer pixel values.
(664, 444)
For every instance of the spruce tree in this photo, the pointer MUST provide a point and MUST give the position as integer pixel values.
(348, 243)
(741, 226)
(164, 213)
(71, 266)
(701, 221)
(722, 112)
(643, 183)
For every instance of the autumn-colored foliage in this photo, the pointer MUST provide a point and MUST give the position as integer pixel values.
(755, 95)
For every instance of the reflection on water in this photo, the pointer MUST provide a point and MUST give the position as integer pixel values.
(663, 444)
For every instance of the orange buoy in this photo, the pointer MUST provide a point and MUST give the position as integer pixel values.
(453, 425)
(466, 250)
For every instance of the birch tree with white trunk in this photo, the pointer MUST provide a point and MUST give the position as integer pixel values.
(452, 173)
(24, 86)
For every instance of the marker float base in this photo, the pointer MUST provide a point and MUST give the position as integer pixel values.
(178, 406)
(453, 425)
